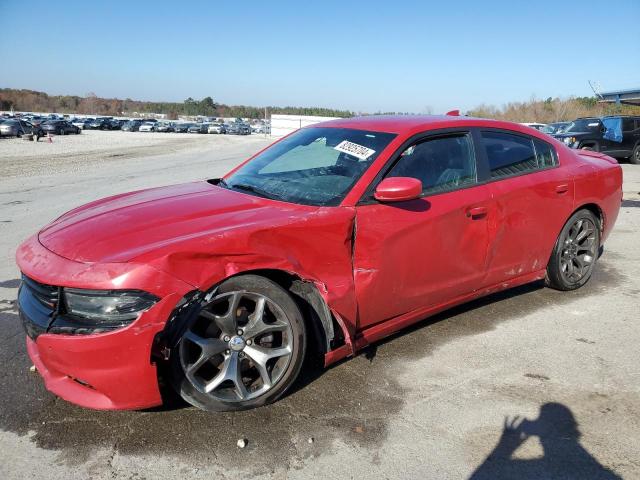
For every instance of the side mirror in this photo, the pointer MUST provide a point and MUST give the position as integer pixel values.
(398, 189)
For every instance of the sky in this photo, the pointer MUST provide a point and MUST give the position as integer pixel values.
(363, 56)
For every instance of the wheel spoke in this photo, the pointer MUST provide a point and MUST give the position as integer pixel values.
(584, 233)
(228, 322)
(262, 355)
(576, 230)
(230, 370)
(209, 346)
(257, 325)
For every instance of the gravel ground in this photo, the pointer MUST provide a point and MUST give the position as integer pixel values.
(22, 158)
(428, 403)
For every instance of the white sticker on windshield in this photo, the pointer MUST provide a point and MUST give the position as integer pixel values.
(354, 149)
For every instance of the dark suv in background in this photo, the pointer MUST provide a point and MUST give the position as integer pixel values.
(617, 136)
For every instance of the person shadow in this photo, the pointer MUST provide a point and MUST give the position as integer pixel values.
(564, 457)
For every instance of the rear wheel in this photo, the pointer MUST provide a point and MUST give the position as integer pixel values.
(575, 253)
(635, 157)
(243, 350)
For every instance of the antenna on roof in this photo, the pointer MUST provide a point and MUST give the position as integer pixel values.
(595, 86)
(453, 113)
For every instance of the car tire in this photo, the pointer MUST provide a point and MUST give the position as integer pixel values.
(228, 336)
(575, 252)
(635, 156)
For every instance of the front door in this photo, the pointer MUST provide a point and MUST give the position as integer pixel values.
(425, 252)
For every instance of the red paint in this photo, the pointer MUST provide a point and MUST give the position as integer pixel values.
(398, 189)
(410, 259)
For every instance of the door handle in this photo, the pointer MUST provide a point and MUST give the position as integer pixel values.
(562, 189)
(477, 213)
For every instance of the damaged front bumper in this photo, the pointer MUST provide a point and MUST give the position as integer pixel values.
(112, 370)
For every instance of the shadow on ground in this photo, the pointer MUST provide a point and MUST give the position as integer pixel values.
(563, 455)
(353, 401)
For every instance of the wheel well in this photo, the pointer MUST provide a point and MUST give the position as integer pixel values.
(596, 210)
(326, 333)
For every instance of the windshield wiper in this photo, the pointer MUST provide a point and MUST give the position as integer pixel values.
(258, 191)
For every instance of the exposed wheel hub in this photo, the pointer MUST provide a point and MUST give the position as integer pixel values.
(237, 343)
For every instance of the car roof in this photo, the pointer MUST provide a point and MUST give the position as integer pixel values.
(409, 123)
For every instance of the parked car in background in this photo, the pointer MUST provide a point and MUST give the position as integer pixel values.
(260, 128)
(147, 127)
(164, 127)
(83, 123)
(617, 136)
(132, 126)
(224, 284)
(537, 126)
(554, 128)
(182, 127)
(117, 124)
(36, 119)
(216, 128)
(59, 127)
(100, 124)
(17, 127)
(239, 128)
(197, 128)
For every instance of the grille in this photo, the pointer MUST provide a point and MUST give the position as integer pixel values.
(47, 295)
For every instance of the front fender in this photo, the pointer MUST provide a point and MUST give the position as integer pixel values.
(318, 250)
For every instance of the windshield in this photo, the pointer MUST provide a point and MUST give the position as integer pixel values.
(583, 125)
(313, 166)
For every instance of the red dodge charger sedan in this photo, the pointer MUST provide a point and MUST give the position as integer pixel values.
(333, 237)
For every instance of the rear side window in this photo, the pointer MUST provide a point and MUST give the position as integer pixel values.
(628, 124)
(510, 154)
(546, 155)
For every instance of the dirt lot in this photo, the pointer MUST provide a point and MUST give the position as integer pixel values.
(429, 403)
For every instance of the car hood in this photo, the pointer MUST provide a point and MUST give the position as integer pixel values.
(123, 227)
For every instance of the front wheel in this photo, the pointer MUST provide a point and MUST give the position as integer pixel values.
(575, 253)
(243, 350)
(635, 157)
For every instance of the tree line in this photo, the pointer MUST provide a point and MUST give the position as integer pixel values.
(535, 110)
(32, 101)
(552, 110)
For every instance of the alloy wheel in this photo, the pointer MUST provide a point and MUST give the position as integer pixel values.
(578, 253)
(238, 347)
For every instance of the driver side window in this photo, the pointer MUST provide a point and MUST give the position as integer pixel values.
(441, 164)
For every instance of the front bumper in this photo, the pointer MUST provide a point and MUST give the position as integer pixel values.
(106, 371)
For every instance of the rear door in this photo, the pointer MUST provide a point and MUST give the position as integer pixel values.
(630, 134)
(533, 198)
(425, 252)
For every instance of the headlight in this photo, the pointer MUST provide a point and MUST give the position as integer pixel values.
(107, 307)
(569, 140)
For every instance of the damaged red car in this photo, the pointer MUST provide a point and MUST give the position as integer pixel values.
(334, 237)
